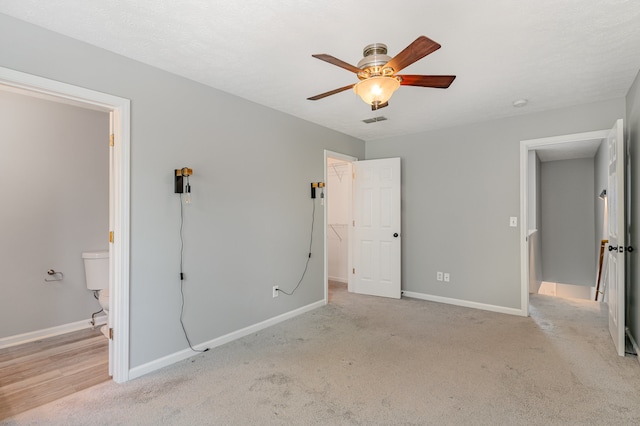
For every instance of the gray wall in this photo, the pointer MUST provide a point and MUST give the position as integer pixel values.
(633, 269)
(460, 186)
(533, 205)
(567, 221)
(535, 262)
(538, 198)
(55, 193)
(248, 226)
(534, 226)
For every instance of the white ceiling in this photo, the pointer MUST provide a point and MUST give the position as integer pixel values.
(554, 53)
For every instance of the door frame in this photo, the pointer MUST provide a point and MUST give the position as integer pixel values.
(525, 147)
(348, 158)
(119, 180)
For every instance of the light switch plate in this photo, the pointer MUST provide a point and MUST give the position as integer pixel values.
(513, 221)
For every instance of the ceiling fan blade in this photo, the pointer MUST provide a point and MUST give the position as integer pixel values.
(332, 92)
(338, 62)
(420, 48)
(437, 81)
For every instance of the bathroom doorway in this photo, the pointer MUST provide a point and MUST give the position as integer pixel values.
(117, 238)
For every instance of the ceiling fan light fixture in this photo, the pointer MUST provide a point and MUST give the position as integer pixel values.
(376, 90)
(378, 76)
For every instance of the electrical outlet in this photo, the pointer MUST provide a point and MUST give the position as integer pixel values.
(439, 276)
(447, 277)
(275, 291)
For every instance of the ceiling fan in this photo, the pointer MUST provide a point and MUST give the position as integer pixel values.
(378, 72)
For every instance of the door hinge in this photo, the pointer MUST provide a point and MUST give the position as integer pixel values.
(354, 271)
(112, 139)
(111, 236)
(111, 334)
(621, 249)
(354, 223)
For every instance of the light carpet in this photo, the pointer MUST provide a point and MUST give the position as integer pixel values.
(365, 360)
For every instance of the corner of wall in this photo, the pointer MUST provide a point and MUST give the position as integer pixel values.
(632, 135)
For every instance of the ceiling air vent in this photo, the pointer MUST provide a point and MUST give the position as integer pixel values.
(374, 119)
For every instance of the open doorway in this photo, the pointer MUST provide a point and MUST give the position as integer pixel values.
(338, 215)
(617, 223)
(371, 240)
(562, 217)
(118, 237)
(570, 219)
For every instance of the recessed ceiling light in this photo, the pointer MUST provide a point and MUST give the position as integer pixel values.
(520, 103)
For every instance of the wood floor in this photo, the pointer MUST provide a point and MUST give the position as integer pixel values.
(39, 372)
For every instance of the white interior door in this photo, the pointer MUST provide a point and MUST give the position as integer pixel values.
(616, 252)
(376, 227)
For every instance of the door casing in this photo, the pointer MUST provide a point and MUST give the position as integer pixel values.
(119, 179)
(525, 147)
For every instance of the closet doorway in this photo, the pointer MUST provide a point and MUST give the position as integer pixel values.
(338, 214)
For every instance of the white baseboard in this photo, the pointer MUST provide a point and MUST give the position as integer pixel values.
(464, 303)
(338, 279)
(187, 353)
(32, 336)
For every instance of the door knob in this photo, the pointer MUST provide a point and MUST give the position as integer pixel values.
(395, 235)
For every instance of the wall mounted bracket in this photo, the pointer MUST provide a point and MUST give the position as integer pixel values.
(178, 179)
(315, 185)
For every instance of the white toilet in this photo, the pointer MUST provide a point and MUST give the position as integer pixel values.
(96, 270)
